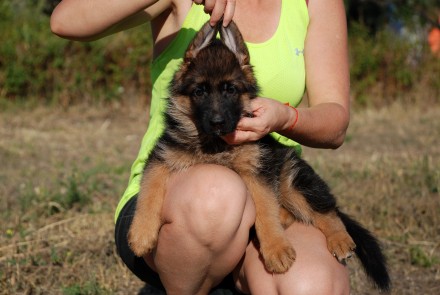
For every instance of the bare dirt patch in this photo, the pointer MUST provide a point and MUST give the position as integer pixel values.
(63, 171)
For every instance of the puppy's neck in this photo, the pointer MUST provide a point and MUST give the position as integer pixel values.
(212, 144)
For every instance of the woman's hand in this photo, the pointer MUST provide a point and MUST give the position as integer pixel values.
(218, 9)
(268, 116)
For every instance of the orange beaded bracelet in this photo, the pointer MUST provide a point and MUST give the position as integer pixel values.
(296, 118)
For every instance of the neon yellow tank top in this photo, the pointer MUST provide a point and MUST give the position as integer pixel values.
(278, 65)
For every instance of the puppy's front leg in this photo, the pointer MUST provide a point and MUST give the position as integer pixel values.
(144, 230)
(339, 242)
(276, 250)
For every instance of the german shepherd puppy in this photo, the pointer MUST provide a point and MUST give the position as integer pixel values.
(210, 92)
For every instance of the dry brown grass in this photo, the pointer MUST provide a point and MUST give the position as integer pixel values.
(62, 172)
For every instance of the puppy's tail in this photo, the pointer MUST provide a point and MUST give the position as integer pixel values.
(369, 253)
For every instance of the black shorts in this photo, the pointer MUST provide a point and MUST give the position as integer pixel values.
(137, 265)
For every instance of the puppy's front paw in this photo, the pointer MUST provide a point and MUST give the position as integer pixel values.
(142, 237)
(278, 256)
(341, 245)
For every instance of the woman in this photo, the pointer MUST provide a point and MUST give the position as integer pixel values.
(208, 213)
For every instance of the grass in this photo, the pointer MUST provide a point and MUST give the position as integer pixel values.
(388, 177)
(69, 131)
(64, 170)
(60, 184)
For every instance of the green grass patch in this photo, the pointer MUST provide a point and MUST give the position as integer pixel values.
(88, 288)
(419, 257)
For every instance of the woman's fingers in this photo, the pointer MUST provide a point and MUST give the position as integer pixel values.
(218, 9)
(228, 12)
(247, 130)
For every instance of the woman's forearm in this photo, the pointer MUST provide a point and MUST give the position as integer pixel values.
(87, 20)
(320, 126)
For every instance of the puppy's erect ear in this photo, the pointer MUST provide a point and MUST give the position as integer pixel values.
(203, 38)
(233, 39)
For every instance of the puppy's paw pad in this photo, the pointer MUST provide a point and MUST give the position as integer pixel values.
(341, 245)
(142, 238)
(279, 257)
(141, 244)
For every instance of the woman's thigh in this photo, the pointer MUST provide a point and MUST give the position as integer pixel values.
(208, 201)
(315, 270)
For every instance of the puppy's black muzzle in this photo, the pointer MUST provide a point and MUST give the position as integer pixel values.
(217, 123)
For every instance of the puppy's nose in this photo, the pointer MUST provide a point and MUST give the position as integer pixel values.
(217, 121)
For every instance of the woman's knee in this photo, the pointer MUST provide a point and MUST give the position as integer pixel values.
(316, 264)
(315, 270)
(320, 279)
(211, 201)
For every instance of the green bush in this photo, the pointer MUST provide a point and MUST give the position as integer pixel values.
(37, 65)
(387, 67)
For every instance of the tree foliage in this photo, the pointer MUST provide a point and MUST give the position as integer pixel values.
(376, 14)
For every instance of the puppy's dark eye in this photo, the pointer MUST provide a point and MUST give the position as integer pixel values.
(229, 88)
(199, 91)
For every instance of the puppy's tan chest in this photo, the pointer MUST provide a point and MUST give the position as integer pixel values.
(243, 158)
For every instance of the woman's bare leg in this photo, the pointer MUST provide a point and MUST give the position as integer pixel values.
(314, 272)
(208, 214)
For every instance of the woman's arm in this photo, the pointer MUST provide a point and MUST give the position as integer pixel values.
(88, 20)
(324, 123)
